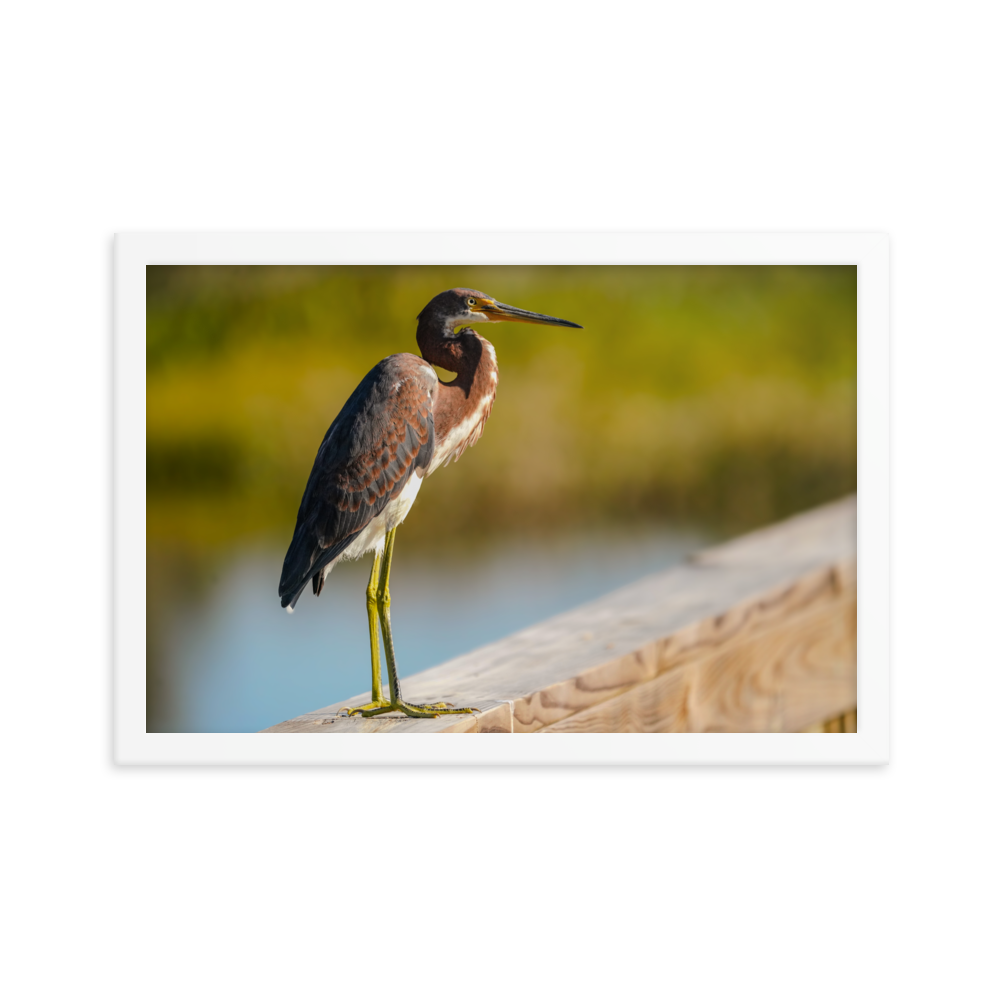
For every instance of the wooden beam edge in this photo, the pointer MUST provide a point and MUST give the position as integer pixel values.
(698, 642)
(551, 705)
(780, 677)
(801, 563)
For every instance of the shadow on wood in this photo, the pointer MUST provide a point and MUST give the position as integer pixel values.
(757, 635)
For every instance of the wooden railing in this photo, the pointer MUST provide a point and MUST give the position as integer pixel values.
(756, 635)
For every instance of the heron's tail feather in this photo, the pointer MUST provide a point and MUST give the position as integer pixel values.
(288, 602)
(305, 561)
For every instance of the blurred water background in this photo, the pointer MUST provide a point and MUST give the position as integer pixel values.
(697, 403)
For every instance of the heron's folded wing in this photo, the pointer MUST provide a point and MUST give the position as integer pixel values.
(382, 436)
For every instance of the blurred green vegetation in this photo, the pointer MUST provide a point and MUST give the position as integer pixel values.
(718, 395)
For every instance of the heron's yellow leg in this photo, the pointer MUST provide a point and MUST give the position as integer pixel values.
(378, 701)
(396, 703)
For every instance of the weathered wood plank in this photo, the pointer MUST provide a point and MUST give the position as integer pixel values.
(774, 679)
(757, 634)
(495, 718)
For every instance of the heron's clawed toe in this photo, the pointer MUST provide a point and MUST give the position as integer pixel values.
(372, 708)
(431, 711)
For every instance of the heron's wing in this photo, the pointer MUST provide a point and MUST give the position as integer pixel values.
(382, 436)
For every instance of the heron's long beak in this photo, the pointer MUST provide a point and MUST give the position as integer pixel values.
(498, 313)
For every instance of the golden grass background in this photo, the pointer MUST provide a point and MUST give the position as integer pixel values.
(718, 395)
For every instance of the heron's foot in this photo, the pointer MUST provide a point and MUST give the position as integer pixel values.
(372, 708)
(431, 711)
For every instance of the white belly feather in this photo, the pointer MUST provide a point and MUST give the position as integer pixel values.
(372, 537)
(461, 436)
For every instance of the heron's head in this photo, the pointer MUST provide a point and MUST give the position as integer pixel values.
(459, 307)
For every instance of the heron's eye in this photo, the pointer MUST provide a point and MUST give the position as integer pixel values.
(472, 302)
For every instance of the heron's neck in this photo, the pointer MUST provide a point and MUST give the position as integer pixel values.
(471, 394)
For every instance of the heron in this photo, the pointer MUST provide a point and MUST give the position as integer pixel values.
(399, 425)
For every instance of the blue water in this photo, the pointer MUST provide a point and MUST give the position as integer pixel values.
(235, 662)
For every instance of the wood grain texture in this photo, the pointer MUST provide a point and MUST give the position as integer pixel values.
(774, 679)
(754, 635)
